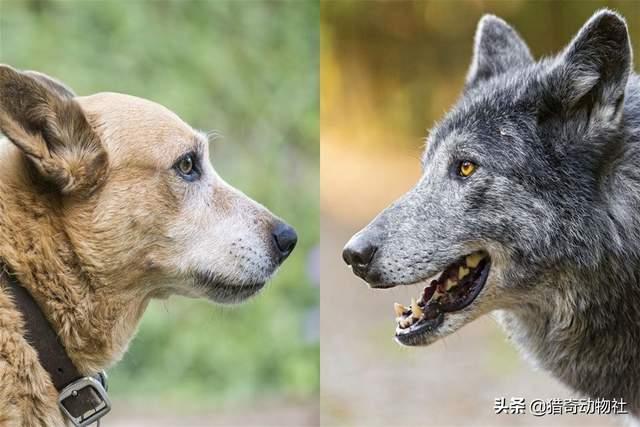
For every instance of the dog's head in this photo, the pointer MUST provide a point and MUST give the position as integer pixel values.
(510, 178)
(135, 193)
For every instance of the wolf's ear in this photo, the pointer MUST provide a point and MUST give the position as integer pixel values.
(39, 115)
(498, 48)
(592, 72)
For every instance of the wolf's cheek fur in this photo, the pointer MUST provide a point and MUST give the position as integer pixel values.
(442, 219)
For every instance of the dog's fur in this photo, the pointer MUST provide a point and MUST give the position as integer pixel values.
(95, 221)
(555, 201)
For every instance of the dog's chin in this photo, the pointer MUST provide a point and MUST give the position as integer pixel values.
(446, 303)
(224, 291)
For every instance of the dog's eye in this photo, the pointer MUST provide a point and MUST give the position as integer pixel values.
(187, 168)
(466, 168)
(186, 165)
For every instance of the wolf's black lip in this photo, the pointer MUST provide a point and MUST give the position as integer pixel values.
(424, 327)
(381, 285)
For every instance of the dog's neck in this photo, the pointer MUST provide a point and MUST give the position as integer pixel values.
(94, 321)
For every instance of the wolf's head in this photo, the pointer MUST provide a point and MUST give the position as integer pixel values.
(513, 181)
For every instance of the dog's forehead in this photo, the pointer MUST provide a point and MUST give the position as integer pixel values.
(131, 125)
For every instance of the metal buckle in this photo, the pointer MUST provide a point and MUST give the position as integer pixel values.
(96, 413)
(103, 378)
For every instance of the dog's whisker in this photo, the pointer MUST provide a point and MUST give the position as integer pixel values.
(213, 136)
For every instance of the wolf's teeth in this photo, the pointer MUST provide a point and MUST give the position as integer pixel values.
(462, 272)
(399, 309)
(404, 323)
(450, 284)
(416, 311)
(473, 260)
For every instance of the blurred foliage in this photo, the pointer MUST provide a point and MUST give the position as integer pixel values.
(390, 69)
(249, 70)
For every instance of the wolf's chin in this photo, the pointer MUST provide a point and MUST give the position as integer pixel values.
(456, 288)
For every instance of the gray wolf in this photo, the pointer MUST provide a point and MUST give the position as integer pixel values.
(108, 201)
(529, 206)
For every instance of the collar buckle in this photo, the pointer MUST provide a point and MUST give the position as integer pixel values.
(84, 401)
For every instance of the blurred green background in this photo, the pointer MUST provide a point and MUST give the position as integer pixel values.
(249, 70)
(389, 71)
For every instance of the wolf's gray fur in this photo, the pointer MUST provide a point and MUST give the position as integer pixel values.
(555, 201)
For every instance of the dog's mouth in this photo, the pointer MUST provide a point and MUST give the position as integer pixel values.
(220, 290)
(234, 294)
(456, 287)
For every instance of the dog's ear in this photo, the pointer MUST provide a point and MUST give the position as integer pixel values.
(592, 72)
(498, 48)
(51, 83)
(39, 115)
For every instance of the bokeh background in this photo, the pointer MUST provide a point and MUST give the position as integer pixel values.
(248, 70)
(389, 71)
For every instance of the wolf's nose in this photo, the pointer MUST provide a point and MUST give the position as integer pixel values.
(358, 253)
(285, 238)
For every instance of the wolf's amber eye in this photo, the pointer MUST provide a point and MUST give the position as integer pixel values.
(466, 168)
(186, 165)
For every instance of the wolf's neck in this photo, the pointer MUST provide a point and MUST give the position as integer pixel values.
(93, 321)
(586, 334)
(585, 328)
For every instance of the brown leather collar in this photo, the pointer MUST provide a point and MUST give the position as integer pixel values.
(82, 399)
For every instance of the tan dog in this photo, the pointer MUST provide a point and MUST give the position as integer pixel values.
(107, 201)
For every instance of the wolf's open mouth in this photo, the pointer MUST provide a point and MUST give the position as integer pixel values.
(456, 287)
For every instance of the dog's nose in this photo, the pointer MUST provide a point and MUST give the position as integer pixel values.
(358, 253)
(285, 238)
